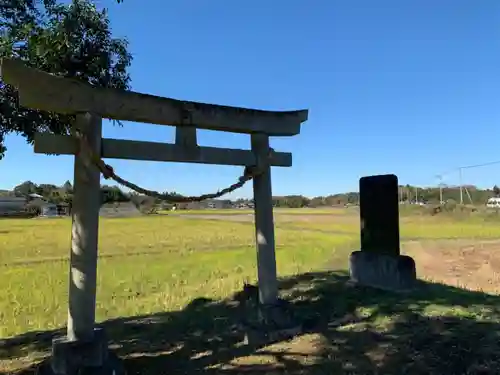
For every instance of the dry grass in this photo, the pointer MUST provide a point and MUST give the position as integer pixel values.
(468, 264)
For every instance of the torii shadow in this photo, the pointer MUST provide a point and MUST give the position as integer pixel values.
(343, 334)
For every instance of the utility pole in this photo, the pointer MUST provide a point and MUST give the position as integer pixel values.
(461, 185)
(440, 188)
(416, 194)
(468, 194)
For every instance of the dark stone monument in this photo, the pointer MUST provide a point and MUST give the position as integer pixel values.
(379, 263)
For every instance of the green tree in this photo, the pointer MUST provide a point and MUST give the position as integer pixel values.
(72, 40)
(27, 187)
(68, 187)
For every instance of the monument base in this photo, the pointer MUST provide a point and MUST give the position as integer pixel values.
(82, 357)
(275, 323)
(387, 272)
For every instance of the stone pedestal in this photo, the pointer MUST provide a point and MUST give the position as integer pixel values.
(82, 357)
(274, 323)
(388, 272)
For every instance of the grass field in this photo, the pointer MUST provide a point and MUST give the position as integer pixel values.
(152, 268)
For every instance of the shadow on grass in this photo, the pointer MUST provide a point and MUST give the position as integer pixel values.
(353, 330)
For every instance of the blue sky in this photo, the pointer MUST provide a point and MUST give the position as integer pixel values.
(404, 87)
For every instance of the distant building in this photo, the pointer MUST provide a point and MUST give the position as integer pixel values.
(165, 206)
(219, 204)
(247, 205)
(35, 196)
(119, 209)
(48, 210)
(31, 205)
(63, 209)
(12, 205)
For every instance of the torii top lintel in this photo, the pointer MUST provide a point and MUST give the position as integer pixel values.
(47, 92)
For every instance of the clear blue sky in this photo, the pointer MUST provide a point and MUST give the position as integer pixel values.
(405, 87)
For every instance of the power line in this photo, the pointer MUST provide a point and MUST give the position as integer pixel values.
(481, 165)
(470, 167)
(459, 170)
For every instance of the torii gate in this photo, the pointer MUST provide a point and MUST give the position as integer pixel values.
(42, 91)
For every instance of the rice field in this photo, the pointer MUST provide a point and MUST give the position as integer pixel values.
(155, 266)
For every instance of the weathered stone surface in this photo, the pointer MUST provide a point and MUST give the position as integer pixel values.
(82, 357)
(387, 272)
(379, 214)
(47, 92)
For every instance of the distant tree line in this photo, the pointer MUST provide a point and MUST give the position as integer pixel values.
(113, 194)
(64, 194)
(407, 193)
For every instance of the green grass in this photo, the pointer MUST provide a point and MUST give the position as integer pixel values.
(418, 227)
(156, 266)
(147, 265)
(160, 263)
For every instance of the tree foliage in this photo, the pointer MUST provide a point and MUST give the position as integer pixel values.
(64, 194)
(72, 40)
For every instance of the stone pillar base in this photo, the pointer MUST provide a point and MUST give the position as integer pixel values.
(82, 357)
(387, 272)
(275, 323)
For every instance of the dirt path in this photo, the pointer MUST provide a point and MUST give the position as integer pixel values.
(464, 263)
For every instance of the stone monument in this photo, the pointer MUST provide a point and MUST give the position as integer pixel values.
(379, 263)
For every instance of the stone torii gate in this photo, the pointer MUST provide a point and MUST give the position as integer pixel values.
(85, 346)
